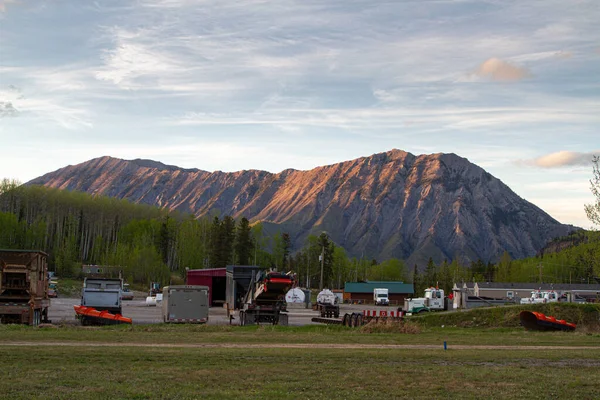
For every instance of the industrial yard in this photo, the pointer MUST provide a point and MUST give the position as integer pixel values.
(257, 344)
(479, 353)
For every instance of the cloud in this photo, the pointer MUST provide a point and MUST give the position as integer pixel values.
(3, 4)
(7, 109)
(499, 70)
(563, 159)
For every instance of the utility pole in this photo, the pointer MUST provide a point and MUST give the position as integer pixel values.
(540, 267)
(322, 258)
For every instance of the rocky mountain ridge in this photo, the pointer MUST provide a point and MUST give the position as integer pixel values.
(391, 204)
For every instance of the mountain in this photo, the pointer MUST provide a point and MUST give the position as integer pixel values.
(391, 204)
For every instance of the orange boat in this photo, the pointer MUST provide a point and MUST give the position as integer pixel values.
(91, 316)
(536, 321)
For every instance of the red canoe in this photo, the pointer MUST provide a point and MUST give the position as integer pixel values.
(89, 315)
(536, 321)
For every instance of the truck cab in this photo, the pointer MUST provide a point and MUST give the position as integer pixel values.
(433, 301)
(540, 297)
(381, 297)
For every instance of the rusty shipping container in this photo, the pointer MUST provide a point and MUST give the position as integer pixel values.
(24, 287)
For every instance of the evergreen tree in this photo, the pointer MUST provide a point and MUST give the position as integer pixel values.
(243, 242)
(431, 274)
(287, 245)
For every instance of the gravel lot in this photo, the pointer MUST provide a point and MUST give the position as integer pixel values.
(61, 311)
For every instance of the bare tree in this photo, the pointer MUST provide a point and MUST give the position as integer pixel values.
(593, 210)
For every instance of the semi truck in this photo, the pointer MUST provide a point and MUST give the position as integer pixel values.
(434, 300)
(103, 294)
(185, 304)
(24, 287)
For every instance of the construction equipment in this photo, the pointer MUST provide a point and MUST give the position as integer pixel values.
(264, 300)
(327, 304)
(24, 287)
(434, 300)
(185, 304)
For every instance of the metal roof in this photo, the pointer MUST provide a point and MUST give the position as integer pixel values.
(535, 286)
(367, 287)
(206, 272)
(23, 251)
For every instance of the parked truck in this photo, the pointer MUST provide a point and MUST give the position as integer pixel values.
(434, 300)
(381, 297)
(327, 304)
(24, 287)
(185, 304)
(541, 296)
(103, 294)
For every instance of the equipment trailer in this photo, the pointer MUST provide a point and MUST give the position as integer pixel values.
(264, 300)
(24, 287)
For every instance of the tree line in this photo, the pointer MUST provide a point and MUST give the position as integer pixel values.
(153, 244)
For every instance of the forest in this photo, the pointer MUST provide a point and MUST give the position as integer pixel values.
(152, 244)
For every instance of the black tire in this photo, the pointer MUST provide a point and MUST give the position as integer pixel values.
(353, 319)
(242, 318)
(346, 320)
(359, 320)
(422, 311)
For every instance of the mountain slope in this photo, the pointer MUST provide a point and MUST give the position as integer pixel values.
(391, 204)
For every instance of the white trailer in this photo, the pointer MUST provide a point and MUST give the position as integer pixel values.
(185, 304)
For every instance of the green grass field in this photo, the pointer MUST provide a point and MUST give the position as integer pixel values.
(169, 362)
(222, 373)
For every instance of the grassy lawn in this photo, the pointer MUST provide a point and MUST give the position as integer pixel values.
(123, 371)
(162, 333)
(215, 373)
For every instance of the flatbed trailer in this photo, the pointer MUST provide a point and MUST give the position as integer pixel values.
(357, 319)
(24, 287)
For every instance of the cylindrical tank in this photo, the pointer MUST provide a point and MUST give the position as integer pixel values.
(295, 295)
(326, 296)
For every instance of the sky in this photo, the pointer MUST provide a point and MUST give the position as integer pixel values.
(513, 86)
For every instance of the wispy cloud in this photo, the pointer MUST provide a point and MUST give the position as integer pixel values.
(7, 109)
(4, 3)
(563, 159)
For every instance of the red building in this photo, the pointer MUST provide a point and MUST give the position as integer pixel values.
(214, 278)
